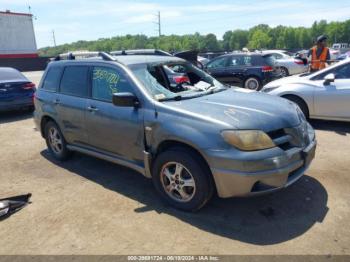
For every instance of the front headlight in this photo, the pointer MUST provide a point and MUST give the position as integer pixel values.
(269, 89)
(248, 140)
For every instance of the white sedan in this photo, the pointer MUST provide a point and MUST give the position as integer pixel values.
(321, 95)
(288, 64)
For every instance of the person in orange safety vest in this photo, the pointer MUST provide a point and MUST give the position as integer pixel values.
(319, 54)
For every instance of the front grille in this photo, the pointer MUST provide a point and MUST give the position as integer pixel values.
(288, 138)
(281, 139)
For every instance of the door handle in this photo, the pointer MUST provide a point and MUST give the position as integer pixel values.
(92, 108)
(56, 101)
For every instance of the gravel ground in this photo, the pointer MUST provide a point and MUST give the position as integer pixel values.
(89, 206)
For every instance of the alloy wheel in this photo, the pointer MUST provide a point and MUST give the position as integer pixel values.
(55, 140)
(177, 182)
(252, 84)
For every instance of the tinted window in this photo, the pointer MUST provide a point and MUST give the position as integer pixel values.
(52, 79)
(217, 63)
(106, 81)
(240, 60)
(74, 81)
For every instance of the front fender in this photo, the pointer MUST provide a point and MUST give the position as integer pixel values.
(305, 92)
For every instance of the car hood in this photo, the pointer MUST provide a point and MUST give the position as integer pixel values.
(242, 109)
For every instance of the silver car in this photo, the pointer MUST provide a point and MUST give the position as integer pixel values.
(322, 95)
(287, 63)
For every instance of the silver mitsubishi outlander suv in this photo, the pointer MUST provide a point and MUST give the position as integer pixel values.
(204, 138)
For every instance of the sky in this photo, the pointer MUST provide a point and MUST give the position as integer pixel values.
(74, 20)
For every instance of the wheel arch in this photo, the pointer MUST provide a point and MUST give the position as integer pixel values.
(44, 120)
(170, 143)
(174, 144)
(288, 96)
(286, 68)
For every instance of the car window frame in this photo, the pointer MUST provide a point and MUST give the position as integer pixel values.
(328, 71)
(87, 80)
(114, 67)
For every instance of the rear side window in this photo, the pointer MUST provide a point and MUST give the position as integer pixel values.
(107, 81)
(52, 79)
(74, 81)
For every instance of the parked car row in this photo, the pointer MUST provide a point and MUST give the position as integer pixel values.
(323, 95)
(248, 70)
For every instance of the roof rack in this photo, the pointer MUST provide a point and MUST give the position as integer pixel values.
(141, 52)
(84, 55)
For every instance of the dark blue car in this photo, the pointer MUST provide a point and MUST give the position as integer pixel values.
(16, 91)
(248, 70)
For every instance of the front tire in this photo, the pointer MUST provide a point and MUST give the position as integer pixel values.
(252, 83)
(55, 142)
(182, 180)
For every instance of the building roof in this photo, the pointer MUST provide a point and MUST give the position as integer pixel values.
(8, 12)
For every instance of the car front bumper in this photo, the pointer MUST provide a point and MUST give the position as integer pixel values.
(258, 176)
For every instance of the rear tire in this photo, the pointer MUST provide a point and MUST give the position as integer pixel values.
(300, 102)
(182, 180)
(55, 142)
(284, 72)
(252, 83)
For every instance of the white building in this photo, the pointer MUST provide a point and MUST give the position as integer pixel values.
(17, 38)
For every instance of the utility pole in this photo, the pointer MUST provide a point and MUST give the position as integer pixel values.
(159, 27)
(53, 37)
(159, 24)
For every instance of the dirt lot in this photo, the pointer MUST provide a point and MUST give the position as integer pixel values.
(89, 206)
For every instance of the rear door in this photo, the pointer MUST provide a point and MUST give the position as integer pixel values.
(114, 129)
(333, 100)
(238, 68)
(72, 103)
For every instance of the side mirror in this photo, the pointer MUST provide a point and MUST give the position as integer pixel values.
(329, 79)
(125, 100)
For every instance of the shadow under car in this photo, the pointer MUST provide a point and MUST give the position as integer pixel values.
(261, 220)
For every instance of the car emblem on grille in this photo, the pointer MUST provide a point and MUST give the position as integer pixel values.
(7, 85)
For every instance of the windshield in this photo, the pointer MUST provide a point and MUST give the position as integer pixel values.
(175, 80)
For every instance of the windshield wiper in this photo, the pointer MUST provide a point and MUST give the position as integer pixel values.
(176, 98)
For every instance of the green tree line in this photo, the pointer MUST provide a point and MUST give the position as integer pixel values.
(258, 37)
